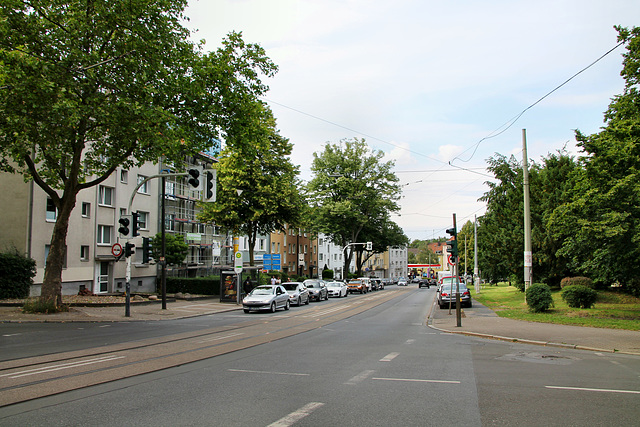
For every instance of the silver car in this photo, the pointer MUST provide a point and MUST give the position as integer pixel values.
(317, 289)
(337, 289)
(298, 293)
(266, 297)
(446, 295)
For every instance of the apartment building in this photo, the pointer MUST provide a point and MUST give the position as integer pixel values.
(298, 251)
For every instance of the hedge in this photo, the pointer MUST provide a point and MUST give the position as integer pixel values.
(195, 286)
(579, 280)
(16, 275)
(578, 296)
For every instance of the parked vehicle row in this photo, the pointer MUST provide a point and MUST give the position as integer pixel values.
(273, 297)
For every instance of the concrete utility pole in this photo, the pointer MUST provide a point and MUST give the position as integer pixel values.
(528, 257)
(476, 276)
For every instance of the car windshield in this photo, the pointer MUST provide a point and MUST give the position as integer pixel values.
(290, 286)
(447, 288)
(262, 290)
(334, 285)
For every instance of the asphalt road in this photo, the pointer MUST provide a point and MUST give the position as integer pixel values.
(377, 366)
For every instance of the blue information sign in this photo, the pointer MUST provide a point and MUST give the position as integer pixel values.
(271, 262)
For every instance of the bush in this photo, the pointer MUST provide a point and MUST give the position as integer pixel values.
(539, 297)
(195, 286)
(36, 305)
(16, 275)
(327, 274)
(578, 296)
(579, 281)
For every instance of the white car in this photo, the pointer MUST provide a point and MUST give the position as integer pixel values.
(402, 281)
(337, 289)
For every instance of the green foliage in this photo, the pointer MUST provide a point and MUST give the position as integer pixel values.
(539, 298)
(36, 305)
(16, 275)
(195, 286)
(176, 248)
(579, 296)
(353, 192)
(327, 274)
(579, 280)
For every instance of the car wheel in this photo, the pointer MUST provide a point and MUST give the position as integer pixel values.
(299, 302)
(470, 304)
(287, 305)
(247, 311)
(307, 302)
(326, 297)
(273, 307)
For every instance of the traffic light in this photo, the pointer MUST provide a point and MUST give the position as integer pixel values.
(124, 222)
(147, 250)
(369, 246)
(134, 224)
(452, 245)
(194, 177)
(210, 185)
(129, 249)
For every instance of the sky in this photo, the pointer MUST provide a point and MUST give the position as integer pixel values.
(434, 85)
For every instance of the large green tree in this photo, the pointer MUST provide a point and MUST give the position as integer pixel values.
(258, 185)
(602, 222)
(88, 86)
(351, 188)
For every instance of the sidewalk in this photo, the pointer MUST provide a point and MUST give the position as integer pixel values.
(483, 322)
(176, 309)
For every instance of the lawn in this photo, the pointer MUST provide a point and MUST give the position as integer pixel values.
(612, 310)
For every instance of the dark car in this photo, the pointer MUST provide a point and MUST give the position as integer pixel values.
(446, 295)
(317, 289)
(424, 282)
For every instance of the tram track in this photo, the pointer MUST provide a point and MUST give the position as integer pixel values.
(40, 376)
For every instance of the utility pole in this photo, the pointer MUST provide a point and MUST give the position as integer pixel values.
(476, 276)
(528, 257)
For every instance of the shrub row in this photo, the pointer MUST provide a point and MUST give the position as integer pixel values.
(16, 275)
(196, 286)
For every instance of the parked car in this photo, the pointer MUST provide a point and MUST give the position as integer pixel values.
(446, 294)
(298, 293)
(317, 289)
(337, 289)
(367, 282)
(266, 297)
(378, 283)
(357, 285)
(402, 281)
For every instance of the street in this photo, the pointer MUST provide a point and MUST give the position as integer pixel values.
(363, 360)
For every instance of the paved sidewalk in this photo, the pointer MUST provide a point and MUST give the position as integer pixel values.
(483, 322)
(176, 309)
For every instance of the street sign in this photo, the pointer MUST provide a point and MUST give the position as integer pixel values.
(450, 261)
(238, 262)
(116, 250)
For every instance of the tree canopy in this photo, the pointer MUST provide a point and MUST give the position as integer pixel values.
(352, 195)
(89, 86)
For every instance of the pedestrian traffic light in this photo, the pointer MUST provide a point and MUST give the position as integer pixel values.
(129, 249)
(194, 177)
(210, 185)
(135, 226)
(124, 222)
(147, 250)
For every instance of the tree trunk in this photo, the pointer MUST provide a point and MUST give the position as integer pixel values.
(52, 283)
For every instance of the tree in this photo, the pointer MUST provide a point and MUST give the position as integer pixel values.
(91, 86)
(351, 188)
(256, 162)
(602, 221)
(175, 248)
(382, 234)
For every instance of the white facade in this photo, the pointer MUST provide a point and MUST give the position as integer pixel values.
(398, 262)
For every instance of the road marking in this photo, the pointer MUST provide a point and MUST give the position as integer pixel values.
(410, 341)
(360, 377)
(220, 338)
(296, 416)
(603, 390)
(53, 368)
(11, 335)
(417, 380)
(104, 326)
(268, 372)
(389, 357)
(328, 311)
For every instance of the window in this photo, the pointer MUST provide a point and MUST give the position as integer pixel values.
(104, 234)
(169, 222)
(144, 188)
(84, 253)
(86, 209)
(52, 212)
(320, 256)
(105, 196)
(124, 176)
(169, 188)
(143, 220)
(278, 247)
